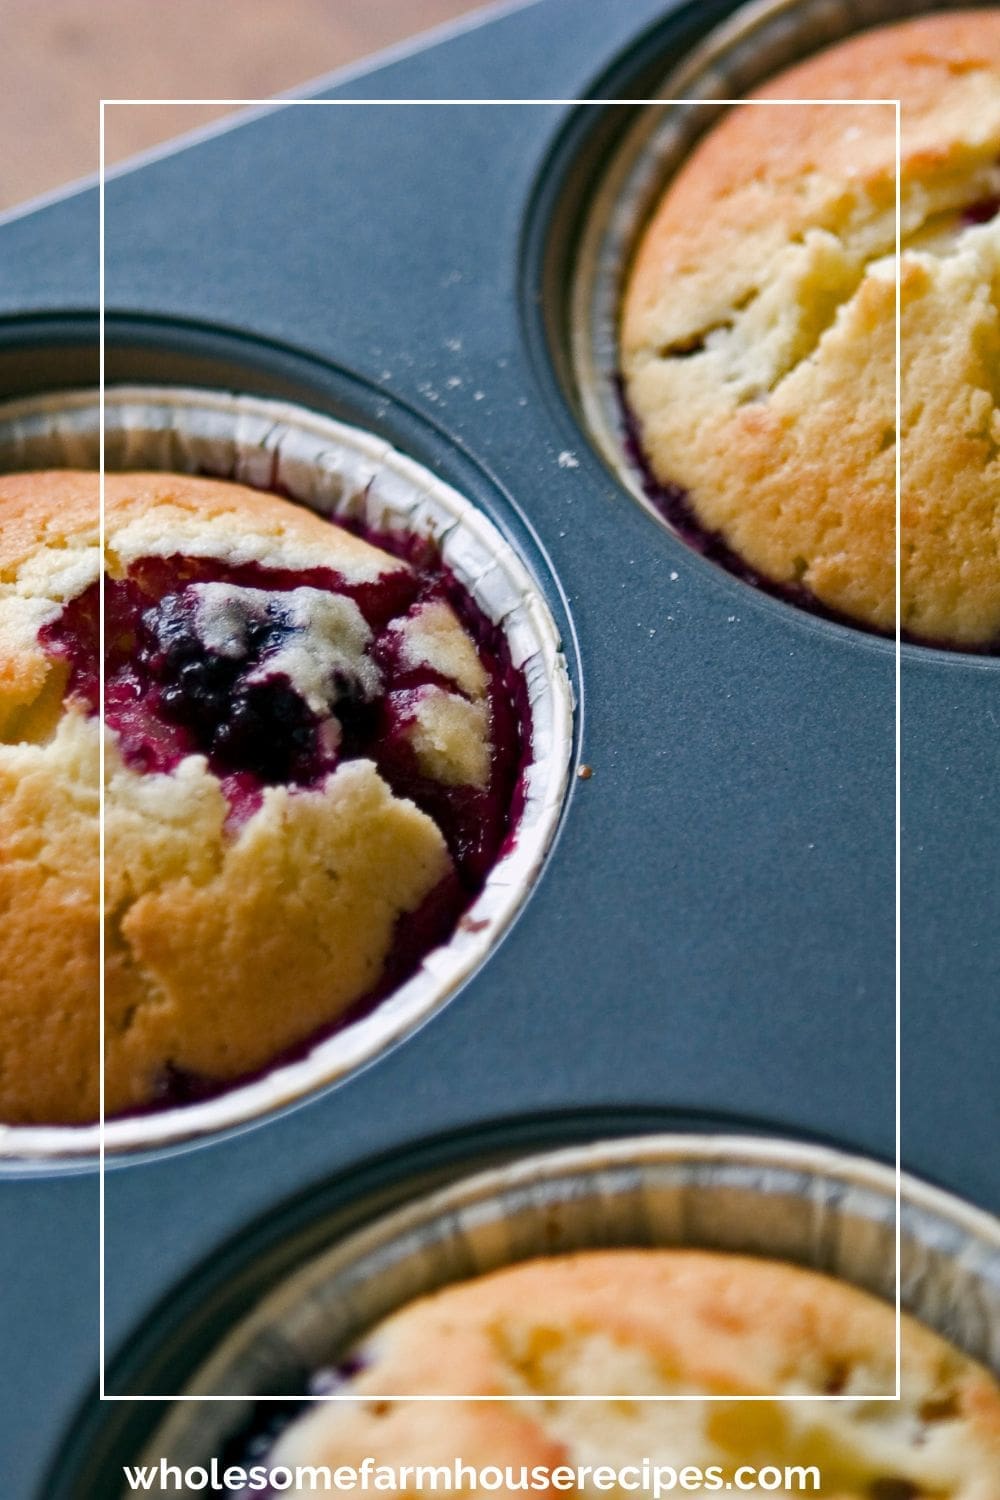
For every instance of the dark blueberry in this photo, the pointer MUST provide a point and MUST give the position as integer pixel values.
(332, 1378)
(982, 212)
(358, 718)
(203, 674)
(197, 698)
(177, 1085)
(168, 627)
(269, 730)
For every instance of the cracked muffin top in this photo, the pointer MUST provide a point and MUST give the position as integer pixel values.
(311, 745)
(643, 1323)
(758, 332)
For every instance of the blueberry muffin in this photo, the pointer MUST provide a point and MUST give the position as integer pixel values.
(758, 333)
(642, 1323)
(310, 753)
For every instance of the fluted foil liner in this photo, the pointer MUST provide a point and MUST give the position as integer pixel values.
(809, 1205)
(342, 472)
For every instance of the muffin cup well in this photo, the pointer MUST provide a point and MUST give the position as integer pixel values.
(809, 1205)
(757, 42)
(345, 473)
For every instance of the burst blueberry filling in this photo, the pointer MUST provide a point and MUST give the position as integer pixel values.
(256, 678)
(277, 678)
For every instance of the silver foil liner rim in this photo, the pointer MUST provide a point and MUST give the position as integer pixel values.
(346, 473)
(809, 1205)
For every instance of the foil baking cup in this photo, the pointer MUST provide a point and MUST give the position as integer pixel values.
(343, 473)
(809, 1205)
(758, 41)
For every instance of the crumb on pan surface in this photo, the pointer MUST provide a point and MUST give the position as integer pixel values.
(285, 825)
(641, 1323)
(758, 330)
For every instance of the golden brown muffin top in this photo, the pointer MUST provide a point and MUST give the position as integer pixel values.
(641, 1323)
(758, 329)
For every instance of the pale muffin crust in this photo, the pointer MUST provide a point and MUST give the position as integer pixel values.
(224, 946)
(758, 330)
(640, 1323)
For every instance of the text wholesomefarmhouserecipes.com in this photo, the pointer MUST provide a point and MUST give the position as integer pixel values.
(644, 1477)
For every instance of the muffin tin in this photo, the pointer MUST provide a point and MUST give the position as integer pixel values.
(714, 930)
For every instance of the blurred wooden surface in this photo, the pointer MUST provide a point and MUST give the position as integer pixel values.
(58, 58)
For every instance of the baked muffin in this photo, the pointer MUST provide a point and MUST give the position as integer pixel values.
(311, 747)
(642, 1323)
(758, 333)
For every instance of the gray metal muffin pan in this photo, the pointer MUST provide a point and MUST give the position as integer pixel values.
(714, 931)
